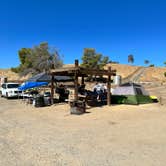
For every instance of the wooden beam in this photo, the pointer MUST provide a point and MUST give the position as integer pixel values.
(76, 63)
(109, 89)
(82, 71)
(76, 81)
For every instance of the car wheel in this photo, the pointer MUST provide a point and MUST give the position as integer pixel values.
(7, 95)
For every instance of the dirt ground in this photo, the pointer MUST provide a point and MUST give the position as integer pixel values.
(120, 135)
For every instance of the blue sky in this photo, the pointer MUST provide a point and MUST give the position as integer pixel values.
(115, 28)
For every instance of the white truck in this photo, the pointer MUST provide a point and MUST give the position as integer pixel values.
(10, 90)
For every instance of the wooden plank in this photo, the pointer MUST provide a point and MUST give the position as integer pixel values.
(82, 71)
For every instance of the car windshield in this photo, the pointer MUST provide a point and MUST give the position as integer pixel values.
(13, 85)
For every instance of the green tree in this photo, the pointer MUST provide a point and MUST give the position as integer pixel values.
(38, 59)
(130, 58)
(24, 54)
(165, 63)
(25, 60)
(91, 59)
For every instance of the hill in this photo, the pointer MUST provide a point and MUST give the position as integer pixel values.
(148, 74)
(123, 70)
(11, 76)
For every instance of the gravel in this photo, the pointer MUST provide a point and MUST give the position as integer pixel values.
(107, 136)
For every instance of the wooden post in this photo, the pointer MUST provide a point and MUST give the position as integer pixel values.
(82, 80)
(76, 80)
(76, 63)
(109, 88)
(52, 88)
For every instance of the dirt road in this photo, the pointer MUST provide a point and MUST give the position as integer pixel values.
(106, 136)
(135, 76)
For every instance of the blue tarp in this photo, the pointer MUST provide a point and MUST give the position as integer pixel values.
(29, 85)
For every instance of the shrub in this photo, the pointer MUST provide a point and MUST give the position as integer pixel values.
(165, 74)
(152, 65)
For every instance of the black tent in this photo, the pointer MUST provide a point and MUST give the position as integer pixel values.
(44, 77)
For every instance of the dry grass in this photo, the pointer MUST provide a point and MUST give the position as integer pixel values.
(123, 70)
(151, 73)
(11, 75)
(154, 74)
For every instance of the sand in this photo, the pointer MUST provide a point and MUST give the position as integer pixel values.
(120, 135)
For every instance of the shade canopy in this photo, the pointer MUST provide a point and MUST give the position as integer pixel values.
(29, 85)
(44, 77)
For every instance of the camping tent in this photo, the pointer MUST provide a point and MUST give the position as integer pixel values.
(29, 85)
(44, 77)
(131, 93)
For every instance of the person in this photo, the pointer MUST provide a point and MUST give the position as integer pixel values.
(99, 90)
(61, 91)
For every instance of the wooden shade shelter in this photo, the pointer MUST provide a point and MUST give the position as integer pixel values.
(82, 72)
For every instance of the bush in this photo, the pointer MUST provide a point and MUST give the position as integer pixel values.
(152, 65)
(165, 74)
(15, 69)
